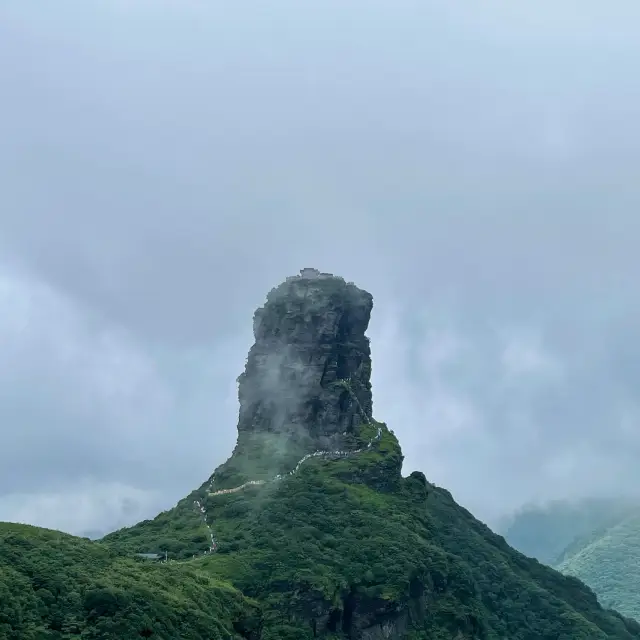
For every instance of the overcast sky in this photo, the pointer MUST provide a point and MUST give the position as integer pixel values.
(163, 164)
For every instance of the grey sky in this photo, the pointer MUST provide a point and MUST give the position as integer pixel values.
(164, 164)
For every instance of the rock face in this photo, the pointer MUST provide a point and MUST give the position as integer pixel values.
(309, 335)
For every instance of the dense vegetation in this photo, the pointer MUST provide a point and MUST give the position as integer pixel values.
(349, 545)
(54, 586)
(608, 560)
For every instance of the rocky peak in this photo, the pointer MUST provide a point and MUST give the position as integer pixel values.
(309, 336)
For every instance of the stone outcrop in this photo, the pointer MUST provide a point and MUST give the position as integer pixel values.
(309, 336)
(320, 540)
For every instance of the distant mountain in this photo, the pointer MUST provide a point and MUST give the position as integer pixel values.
(597, 541)
(608, 560)
(307, 531)
(544, 532)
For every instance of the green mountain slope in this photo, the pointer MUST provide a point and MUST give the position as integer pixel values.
(608, 560)
(350, 547)
(595, 540)
(55, 586)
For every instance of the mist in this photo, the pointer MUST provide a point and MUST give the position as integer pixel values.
(165, 164)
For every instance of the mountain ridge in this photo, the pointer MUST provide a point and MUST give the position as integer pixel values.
(547, 531)
(308, 530)
(274, 529)
(599, 542)
(608, 560)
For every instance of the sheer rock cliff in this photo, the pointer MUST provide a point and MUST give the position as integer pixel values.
(309, 336)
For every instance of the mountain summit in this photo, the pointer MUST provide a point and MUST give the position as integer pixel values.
(308, 530)
(309, 336)
(306, 388)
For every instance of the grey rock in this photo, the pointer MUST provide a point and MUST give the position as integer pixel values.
(309, 335)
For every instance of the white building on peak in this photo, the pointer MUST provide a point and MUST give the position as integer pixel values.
(309, 273)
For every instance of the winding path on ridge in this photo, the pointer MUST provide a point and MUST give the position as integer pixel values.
(338, 454)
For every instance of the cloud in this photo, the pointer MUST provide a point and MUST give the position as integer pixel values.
(499, 414)
(523, 355)
(88, 509)
(89, 413)
(164, 165)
